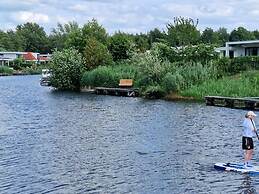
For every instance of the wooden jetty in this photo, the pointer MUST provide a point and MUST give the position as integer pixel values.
(125, 89)
(251, 103)
(129, 92)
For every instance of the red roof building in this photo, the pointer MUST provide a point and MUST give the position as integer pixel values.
(30, 56)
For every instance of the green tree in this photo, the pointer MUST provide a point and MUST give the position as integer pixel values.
(256, 34)
(9, 41)
(93, 30)
(208, 36)
(96, 54)
(156, 36)
(74, 39)
(141, 42)
(67, 68)
(222, 36)
(33, 37)
(183, 32)
(241, 34)
(120, 46)
(59, 35)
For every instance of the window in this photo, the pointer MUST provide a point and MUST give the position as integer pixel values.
(253, 51)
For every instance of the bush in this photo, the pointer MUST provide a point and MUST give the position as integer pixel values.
(154, 92)
(151, 69)
(172, 82)
(6, 70)
(67, 68)
(232, 66)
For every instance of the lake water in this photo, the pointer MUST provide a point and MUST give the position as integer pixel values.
(64, 142)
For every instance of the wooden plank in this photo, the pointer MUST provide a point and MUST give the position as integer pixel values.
(126, 82)
(132, 92)
(231, 102)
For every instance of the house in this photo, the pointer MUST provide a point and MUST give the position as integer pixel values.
(44, 58)
(31, 57)
(7, 57)
(239, 49)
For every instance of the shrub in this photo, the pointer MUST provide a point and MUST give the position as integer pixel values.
(151, 69)
(6, 70)
(154, 92)
(67, 68)
(172, 82)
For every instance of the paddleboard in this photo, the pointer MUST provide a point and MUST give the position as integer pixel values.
(235, 167)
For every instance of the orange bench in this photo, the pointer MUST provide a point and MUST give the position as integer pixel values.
(126, 83)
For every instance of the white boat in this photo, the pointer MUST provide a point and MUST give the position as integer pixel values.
(45, 77)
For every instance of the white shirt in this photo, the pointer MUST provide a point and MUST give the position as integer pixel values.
(248, 128)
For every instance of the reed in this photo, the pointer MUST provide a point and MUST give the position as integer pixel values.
(245, 84)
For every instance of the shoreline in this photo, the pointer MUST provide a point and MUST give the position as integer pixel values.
(17, 74)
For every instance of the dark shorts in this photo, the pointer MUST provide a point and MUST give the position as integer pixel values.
(247, 143)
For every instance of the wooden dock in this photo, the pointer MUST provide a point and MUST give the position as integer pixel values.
(251, 103)
(129, 92)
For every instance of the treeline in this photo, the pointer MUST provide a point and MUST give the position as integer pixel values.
(32, 37)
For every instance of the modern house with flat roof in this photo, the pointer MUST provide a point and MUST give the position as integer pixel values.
(7, 57)
(239, 49)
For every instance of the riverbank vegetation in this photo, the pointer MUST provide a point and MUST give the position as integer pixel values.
(180, 60)
(4, 70)
(245, 84)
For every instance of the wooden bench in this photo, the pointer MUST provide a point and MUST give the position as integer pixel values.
(126, 83)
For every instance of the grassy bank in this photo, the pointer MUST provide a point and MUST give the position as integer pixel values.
(4, 70)
(245, 84)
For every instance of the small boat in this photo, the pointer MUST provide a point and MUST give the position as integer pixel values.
(45, 77)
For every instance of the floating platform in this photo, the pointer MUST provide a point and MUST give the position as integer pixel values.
(251, 103)
(234, 167)
(129, 92)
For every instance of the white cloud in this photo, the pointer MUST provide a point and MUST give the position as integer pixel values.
(27, 16)
(130, 15)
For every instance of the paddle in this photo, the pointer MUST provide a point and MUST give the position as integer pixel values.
(255, 129)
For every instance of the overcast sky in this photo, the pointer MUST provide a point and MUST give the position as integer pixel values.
(133, 16)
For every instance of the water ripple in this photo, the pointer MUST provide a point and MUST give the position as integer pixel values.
(63, 142)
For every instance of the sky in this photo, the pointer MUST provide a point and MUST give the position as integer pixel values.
(131, 16)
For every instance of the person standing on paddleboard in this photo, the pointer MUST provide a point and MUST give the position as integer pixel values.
(249, 131)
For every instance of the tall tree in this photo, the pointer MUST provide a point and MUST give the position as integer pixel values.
(223, 36)
(209, 36)
(33, 37)
(141, 42)
(256, 34)
(156, 36)
(241, 34)
(96, 54)
(59, 35)
(93, 30)
(120, 46)
(183, 31)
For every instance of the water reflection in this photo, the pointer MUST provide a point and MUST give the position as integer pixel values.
(247, 186)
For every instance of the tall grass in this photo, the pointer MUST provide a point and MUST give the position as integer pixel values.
(245, 84)
(107, 76)
(6, 70)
